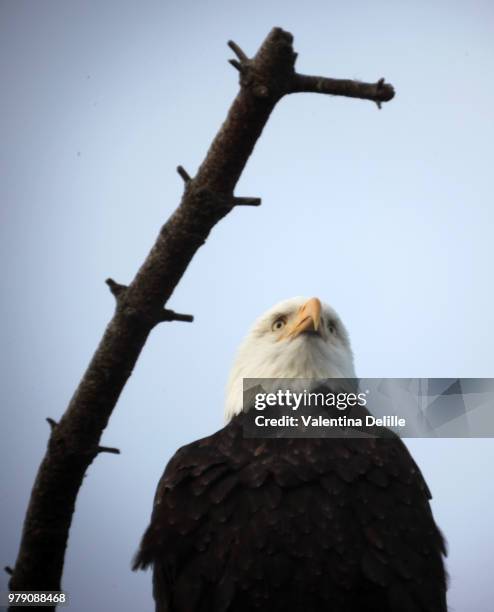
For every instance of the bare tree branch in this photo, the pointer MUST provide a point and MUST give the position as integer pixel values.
(377, 92)
(207, 198)
(115, 288)
(170, 315)
(236, 64)
(51, 422)
(238, 51)
(247, 201)
(184, 174)
(108, 449)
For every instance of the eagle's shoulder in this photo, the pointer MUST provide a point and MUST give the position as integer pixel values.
(179, 502)
(192, 460)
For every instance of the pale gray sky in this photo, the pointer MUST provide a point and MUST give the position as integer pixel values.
(386, 215)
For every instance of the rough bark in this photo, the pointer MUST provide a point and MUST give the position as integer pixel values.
(74, 441)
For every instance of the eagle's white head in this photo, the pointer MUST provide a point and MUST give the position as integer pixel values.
(297, 338)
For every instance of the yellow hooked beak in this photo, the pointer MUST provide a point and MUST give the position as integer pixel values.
(308, 318)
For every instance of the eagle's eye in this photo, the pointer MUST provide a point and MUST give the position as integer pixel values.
(331, 327)
(278, 324)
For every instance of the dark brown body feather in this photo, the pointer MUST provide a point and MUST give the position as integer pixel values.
(340, 525)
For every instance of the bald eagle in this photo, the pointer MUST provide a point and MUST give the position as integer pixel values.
(333, 524)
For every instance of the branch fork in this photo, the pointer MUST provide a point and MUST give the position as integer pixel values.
(256, 75)
(286, 81)
(119, 291)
